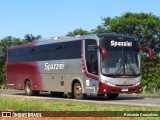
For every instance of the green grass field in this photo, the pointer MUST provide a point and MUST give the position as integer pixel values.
(23, 104)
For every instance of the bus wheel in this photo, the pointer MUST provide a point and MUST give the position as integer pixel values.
(78, 91)
(28, 89)
(112, 96)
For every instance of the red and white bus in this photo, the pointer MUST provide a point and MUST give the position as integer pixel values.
(96, 64)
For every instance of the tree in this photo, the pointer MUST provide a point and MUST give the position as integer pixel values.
(4, 43)
(79, 31)
(151, 73)
(29, 38)
(99, 29)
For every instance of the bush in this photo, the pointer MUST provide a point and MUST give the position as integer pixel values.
(151, 74)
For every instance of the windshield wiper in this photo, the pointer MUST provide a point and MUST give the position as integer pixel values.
(119, 70)
(131, 67)
(122, 67)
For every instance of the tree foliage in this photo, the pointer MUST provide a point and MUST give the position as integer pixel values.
(29, 38)
(79, 31)
(151, 73)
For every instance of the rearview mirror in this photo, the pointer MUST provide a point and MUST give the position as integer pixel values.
(148, 50)
(103, 52)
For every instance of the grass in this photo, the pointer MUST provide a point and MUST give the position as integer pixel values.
(146, 94)
(23, 104)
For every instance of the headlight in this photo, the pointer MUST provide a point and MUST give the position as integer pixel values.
(110, 84)
(138, 83)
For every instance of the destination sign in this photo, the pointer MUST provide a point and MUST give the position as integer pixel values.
(121, 44)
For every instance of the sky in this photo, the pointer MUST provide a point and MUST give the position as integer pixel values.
(50, 18)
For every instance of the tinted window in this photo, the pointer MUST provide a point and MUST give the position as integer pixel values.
(65, 50)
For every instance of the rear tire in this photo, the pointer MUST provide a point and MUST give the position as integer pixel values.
(28, 89)
(112, 96)
(78, 91)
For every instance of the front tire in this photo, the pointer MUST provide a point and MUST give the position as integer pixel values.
(112, 96)
(78, 91)
(28, 89)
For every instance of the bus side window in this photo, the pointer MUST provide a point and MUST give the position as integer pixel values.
(91, 57)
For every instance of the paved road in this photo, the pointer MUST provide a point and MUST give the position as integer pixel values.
(121, 100)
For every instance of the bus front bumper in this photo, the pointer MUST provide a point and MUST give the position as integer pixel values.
(104, 88)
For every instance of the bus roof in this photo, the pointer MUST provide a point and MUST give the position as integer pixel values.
(72, 38)
(111, 35)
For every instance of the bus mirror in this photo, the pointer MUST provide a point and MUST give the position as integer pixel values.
(148, 50)
(103, 52)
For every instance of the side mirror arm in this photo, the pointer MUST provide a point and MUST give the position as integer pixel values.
(148, 50)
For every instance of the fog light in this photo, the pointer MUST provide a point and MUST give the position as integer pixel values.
(104, 90)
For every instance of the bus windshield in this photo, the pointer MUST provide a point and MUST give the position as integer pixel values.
(123, 58)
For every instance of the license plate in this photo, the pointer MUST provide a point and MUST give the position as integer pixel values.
(124, 90)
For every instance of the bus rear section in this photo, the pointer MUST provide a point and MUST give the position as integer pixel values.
(22, 70)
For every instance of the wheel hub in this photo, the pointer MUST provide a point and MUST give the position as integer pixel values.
(78, 90)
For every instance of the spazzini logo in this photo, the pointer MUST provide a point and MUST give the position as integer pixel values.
(121, 44)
